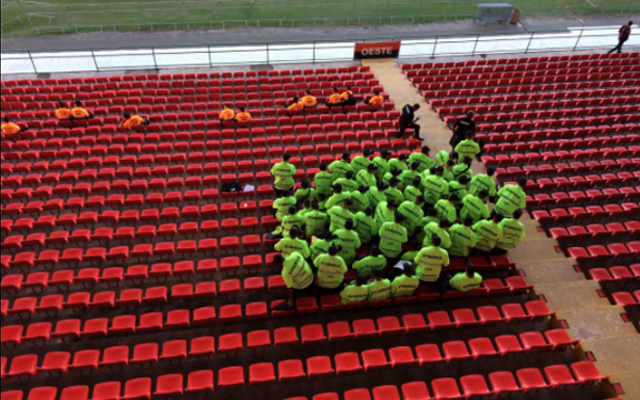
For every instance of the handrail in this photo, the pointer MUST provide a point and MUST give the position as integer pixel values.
(293, 42)
(298, 51)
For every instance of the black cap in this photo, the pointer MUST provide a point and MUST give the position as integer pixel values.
(348, 223)
(403, 157)
(363, 189)
(394, 180)
(346, 155)
(392, 203)
(337, 187)
(439, 170)
(372, 167)
(348, 201)
(471, 268)
(436, 240)
(454, 197)
(368, 152)
(420, 199)
(385, 153)
(415, 165)
(400, 216)
(425, 149)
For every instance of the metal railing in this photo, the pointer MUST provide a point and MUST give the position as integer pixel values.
(176, 56)
(43, 17)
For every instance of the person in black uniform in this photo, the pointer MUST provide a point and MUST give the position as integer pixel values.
(461, 127)
(625, 32)
(408, 120)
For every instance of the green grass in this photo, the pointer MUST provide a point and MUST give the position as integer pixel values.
(137, 15)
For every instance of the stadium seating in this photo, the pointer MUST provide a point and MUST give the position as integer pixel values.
(122, 258)
(570, 125)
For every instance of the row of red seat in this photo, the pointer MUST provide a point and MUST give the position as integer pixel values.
(264, 373)
(549, 170)
(388, 325)
(615, 274)
(169, 77)
(626, 299)
(402, 356)
(587, 213)
(535, 69)
(570, 144)
(478, 80)
(593, 233)
(141, 273)
(559, 99)
(364, 83)
(476, 385)
(517, 87)
(598, 58)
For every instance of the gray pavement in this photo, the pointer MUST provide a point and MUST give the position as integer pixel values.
(97, 40)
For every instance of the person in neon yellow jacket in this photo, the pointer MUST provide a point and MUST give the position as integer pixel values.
(339, 195)
(422, 157)
(361, 162)
(382, 162)
(356, 291)
(339, 214)
(323, 180)
(321, 245)
(367, 176)
(430, 261)
(465, 281)
(475, 207)
(293, 244)
(347, 182)
(412, 191)
(349, 240)
(448, 208)
(488, 233)
(512, 234)
(359, 199)
(511, 198)
(484, 181)
(291, 220)
(281, 207)
(373, 260)
(331, 270)
(405, 284)
(340, 167)
(366, 225)
(463, 238)
(392, 236)
(379, 289)
(315, 221)
(297, 275)
(283, 173)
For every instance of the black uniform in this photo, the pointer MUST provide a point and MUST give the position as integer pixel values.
(406, 121)
(460, 128)
(625, 31)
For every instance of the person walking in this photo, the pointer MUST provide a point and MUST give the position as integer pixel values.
(623, 36)
(408, 120)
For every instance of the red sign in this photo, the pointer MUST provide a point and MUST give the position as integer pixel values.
(377, 50)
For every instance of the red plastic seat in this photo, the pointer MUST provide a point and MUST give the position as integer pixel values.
(107, 391)
(319, 366)
(586, 371)
(386, 393)
(445, 388)
(199, 381)
(230, 376)
(559, 375)
(415, 391)
(347, 363)
(531, 379)
(137, 389)
(261, 373)
(474, 385)
(503, 382)
(290, 369)
(357, 394)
